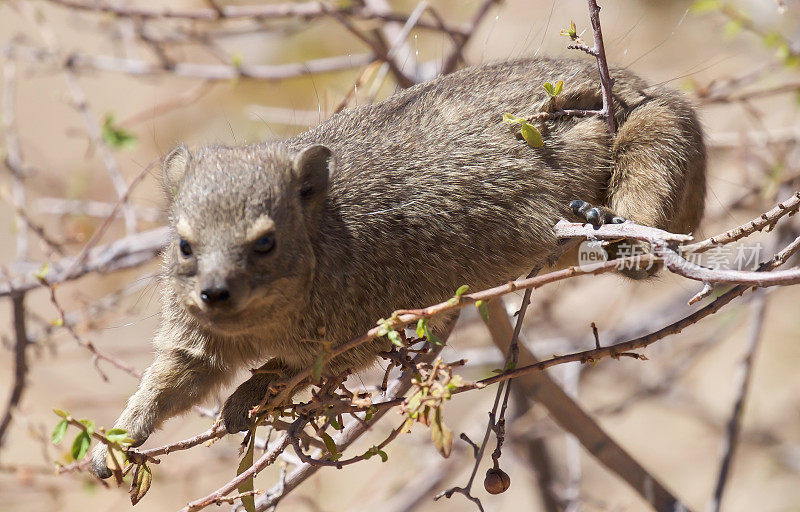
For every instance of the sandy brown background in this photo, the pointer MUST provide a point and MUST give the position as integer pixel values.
(676, 434)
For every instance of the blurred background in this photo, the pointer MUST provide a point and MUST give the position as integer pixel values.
(94, 93)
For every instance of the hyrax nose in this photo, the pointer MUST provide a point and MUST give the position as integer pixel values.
(215, 296)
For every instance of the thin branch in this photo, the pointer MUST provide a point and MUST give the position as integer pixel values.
(212, 72)
(81, 103)
(381, 52)
(260, 12)
(352, 431)
(643, 341)
(539, 387)
(677, 264)
(602, 66)
(80, 259)
(496, 422)
(265, 460)
(126, 252)
(20, 363)
(767, 220)
(735, 421)
(13, 157)
(96, 353)
(451, 62)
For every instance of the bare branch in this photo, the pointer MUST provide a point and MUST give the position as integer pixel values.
(735, 421)
(767, 220)
(20, 363)
(211, 72)
(539, 387)
(261, 12)
(126, 252)
(451, 62)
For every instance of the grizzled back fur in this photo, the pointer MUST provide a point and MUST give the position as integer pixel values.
(281, 245)
(429, 190)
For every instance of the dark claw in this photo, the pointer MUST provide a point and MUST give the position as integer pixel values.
(594, 215)
(579, 207)
(102, 472)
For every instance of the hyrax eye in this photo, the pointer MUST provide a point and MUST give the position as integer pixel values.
(185, 247)
(264, 244)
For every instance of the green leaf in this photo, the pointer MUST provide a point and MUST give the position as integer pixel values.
(142, 478)
(483, 309)
(532, 135)
(119, 435)
(248, 502)
(702, 6)
(571, 31)
(461, 290)
(370, 412)
(331, 446)
(789, 58)
(316, 372)
(413, 403)
(421, 326)
(376, 451)
(89, 424)
(551, 91)
(405, 428)
(441, 436)
(772, 39)
(559, 87)
(733, 27)
(512, 119)
(237, 59)
(61, 413)
(455, 382)
(430, 336)
(395, 338)
(81, 445)
(114, 136)
(59, 431)
(42, 271)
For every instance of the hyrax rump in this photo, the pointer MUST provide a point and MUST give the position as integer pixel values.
(279, 245)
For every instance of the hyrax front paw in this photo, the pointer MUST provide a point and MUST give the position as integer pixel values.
(99, 462)
(594, 215)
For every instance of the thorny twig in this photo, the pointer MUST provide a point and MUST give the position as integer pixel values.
(735, 422)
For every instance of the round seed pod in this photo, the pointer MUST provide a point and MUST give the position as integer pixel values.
(496, 481)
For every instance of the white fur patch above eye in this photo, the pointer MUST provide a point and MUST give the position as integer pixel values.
(264, 225)
(184, 229)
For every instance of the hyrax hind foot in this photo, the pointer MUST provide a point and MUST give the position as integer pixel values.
(595, 215)
(236, 411)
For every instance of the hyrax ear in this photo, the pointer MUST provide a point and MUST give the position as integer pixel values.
(175, 165)
(312, 167)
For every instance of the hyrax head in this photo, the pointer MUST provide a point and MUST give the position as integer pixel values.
(240, 255)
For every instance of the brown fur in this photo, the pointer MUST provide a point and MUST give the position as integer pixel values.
(394, 205)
